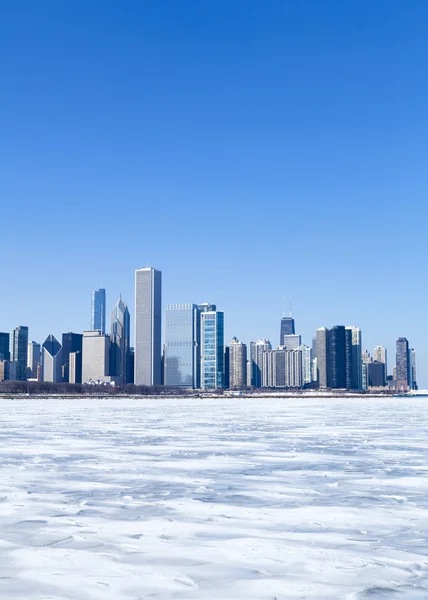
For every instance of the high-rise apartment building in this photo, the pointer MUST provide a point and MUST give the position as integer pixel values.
(72, 344)
(402, 366)
(4, 346)
(292, 341)
(380, 355)
(120, 339)
(306, 364)
(338, 357)
(95, 357)
(212, 348)
(323, 357)
(98, 310)
(18, 349)
(376, 374)
(282, 368)
(52, 360)
(33, 359)
(256, 355)
(354, 374)
(148, 327)
(287, 328)
(237, 364)
(182, 363)
(412, 370)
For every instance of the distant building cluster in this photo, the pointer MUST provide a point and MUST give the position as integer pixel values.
(194, 354)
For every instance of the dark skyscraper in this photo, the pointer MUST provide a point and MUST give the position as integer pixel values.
(18, 348)
(4, 346)
(98, 310)
(338, 356)
(287, 328)
(402, 365)
(72, 342)
(376, 374)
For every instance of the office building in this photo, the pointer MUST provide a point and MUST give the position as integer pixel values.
(72, 344)
(148, 327)
(4, 346)
(182, 364)
(380, 355)
(33, 359)
(412, 370)
(212, 348)
(18, 349)
(306, 364)
(7, 370)
(98, 310)
(402, 366)
(256, 355)
(323, 357)
(287, 328)
(52, 360)
(353, 350)
(376, 374)
(75, 367)
(95, 357)
(120, 338)
(237, 364)
(292, 342)
(337, 357)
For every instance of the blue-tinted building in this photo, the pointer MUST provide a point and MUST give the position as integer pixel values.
(212, 348)
(182, 364)
(98, 310)
(119, 346)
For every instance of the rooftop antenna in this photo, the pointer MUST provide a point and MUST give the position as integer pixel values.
(283, 306)
(290, 307)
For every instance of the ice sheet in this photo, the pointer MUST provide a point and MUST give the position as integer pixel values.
(214, 499)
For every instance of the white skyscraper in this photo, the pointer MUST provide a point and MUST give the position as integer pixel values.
(380, 355)
(238, 364)
(95, 357)
(356, 369)
(148, 327)
(51, 360)
(33, 359)
(306, 364)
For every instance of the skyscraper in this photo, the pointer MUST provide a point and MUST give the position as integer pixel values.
(98, 310)
(306, 364)
(4, 346)
(212, 348)
(291, 341)
(18, 349)
(119, 338)
(354, 374)
(402, 366)
(96, 357)
(323, 357)
(148, 327)
(237, 364)
(182, 364)
(287, 328)
(338, 357)
(380, 355)
(256, 351)
(33, 359)
(412, 370)
(72, 343)
(52, 360)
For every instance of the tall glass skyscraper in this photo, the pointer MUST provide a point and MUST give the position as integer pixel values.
(4, 346)
(51, 360)
(19, 351)
(119, 338)
(98, 310)
(212, 347)
(287, 328)
(72, 343)
(402, 366)
(148, 327)
(182, 365)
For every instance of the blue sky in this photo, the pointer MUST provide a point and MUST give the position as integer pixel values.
(249, 150)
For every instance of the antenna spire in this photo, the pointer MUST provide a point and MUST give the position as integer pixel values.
(290, 306)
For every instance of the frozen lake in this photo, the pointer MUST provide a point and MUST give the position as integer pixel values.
(225, 499)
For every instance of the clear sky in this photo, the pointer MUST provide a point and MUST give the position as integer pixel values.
(249, 150)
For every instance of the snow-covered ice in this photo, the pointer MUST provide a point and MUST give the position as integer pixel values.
(214, 499)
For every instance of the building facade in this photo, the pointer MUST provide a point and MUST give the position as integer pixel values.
(292, 341)
(323, 357)
(120, 342)
(380, 355)
(237, 364)
(98, 310)
(72, 344)
(52, 360)
(18, 349)
(354, 373)
(287, 328)
(256, 355)
(182, 363)
(33, 359)
(95, 357)
(402, 366)
(212, 348)
(4, 346)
